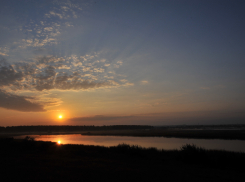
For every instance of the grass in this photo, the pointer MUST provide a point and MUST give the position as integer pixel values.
(29, 160)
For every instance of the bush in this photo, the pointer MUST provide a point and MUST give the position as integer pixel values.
(28, 138)
(191, 148)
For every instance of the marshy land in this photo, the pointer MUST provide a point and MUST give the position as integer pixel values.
(30, 160)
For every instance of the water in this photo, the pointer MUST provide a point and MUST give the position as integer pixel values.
(156, 142)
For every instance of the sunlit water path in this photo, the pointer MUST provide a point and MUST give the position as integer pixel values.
(157, 142)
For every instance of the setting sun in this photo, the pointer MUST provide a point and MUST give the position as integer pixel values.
(60, 116)
(59, 142)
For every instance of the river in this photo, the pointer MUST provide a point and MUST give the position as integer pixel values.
(156, 142)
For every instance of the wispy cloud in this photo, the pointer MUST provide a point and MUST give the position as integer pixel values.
(144, 82)
(43, 30)
(52, 13)
(3, 51)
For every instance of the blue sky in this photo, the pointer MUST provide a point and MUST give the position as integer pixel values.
(144, 62)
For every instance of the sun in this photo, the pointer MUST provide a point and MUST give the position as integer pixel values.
(59, 142)
(60, 116)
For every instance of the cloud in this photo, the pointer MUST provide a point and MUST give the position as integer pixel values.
(123, 80)
(144, 82)
(168, 118)
(3, 54)
(26, 74)
(48, 29)
(65, 8)
(48, 73)
(54, 14)
(8, 75)
(68, 24)
(64, 67)
(100, 118)
(3, 51)
(40, 26)
(129, 84)
(19, 103)
(99, 70)
(54, 73)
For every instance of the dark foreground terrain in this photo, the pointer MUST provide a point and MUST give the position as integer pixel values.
(28, 160)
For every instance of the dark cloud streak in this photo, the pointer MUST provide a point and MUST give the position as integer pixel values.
(171, 118)
(100, 118)
(19, 103)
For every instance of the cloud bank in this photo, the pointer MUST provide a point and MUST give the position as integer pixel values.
(48, 73)
(63, 73)
(170, 118)
(36, 55)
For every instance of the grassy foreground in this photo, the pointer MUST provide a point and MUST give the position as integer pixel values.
(28, 160)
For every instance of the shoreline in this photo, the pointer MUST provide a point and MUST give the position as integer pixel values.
(175, 133)
(168, 133)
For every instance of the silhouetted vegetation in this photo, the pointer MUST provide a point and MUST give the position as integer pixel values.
(46, 161)
(229, 132)
(69, 128)
(28, 138)
(177, 133)
(205, 127)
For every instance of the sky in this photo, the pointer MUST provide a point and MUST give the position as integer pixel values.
(116, 62)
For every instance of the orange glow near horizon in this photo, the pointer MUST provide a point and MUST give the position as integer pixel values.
(59, 142)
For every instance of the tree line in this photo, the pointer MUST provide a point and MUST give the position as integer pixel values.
(69, 128)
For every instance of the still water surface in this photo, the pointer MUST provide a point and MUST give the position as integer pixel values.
(156, 142)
